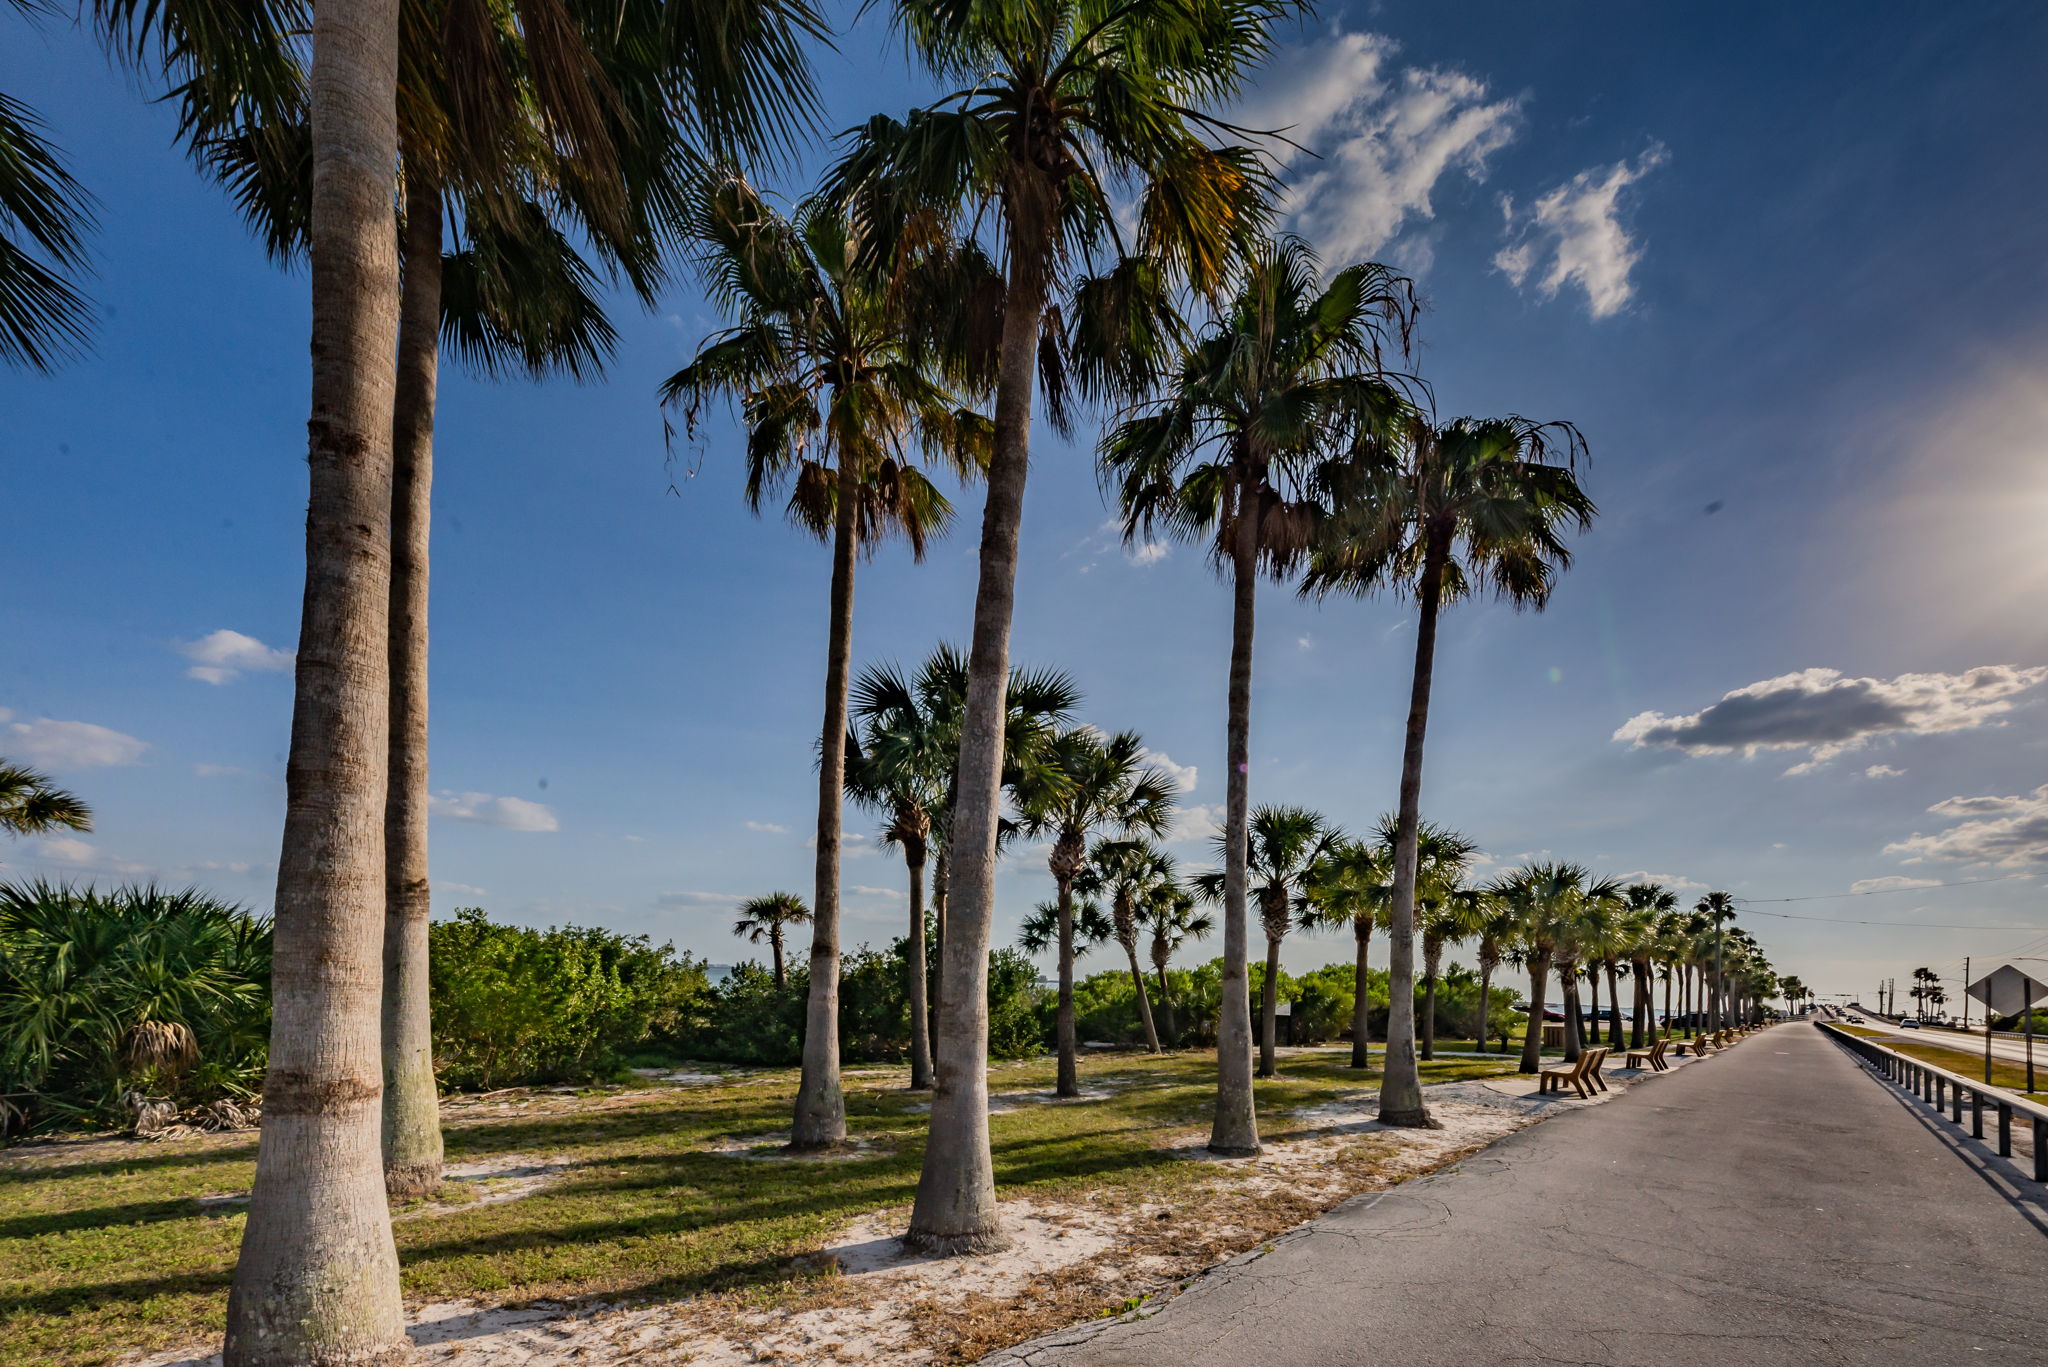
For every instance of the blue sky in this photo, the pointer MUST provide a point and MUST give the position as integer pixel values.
(1780, 263)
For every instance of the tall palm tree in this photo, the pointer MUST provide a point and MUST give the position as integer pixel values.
(1129, 874)
(823, 365)
(1171, 918)
(1041, 929)
(1649, 906)
(1474, 504)
(905, 761)
(1085, 783)
(1494, 927)
(1718, 909)
(767, 919)
(30, 804)
(1235, 450)
(1580, 935)
(1546, 901)
(1350, 886)
(1284, 848)
(1053, 105)
(317, 1280)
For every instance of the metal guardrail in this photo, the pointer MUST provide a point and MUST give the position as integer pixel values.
(1945, 1091)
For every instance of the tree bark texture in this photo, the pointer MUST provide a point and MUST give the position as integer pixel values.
(1065, 1038)
(1236, 1127)
(920, 998)
(1361, 1001)
(1532, 1033)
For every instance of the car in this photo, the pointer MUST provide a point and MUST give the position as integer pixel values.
(1855, 1020)
(1908, 1023)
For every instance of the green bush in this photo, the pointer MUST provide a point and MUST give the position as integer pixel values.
(165, 994)
(567, 1004)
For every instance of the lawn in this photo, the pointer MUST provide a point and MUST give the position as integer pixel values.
(110, 1245)
(2004, 1073)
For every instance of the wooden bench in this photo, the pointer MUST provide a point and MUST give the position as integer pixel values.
(1599, 1057)
(1697, 1047)
(1554, 1078)
(1651, 1058)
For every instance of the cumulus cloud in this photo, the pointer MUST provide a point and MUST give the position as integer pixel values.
(1574, 235)
(1892, 883)
(1200, 822)
(862, 890)
(767, 828)
(222, 656)
(2011, 832)
(67, 744)
(506, 813)
(1149, 552)
(1183, 775)
(1826, 713)
(1883, 771)
(1672, 882)
(1387, 137)
(64, 849)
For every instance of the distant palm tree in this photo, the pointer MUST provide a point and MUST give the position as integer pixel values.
(1235, 450)
(1547, 902)
(766, 918)
(1649, 905)
(1041, 929)
(1084, 782)
(31, 805)
(1446, 910)
(1171, 918)
(1717, 909)
(1351, 885)
(1060, 113)
(1285, 846)
(1580, 935)
(826, 367)
(1477, 503)
(905, 760)
(1129, 874)
(1495, 929)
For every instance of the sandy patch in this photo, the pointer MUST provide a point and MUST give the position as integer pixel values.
(774, 1148)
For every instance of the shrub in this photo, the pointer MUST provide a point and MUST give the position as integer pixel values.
(165, 994)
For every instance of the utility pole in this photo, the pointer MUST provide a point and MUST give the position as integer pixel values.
(1966, 992)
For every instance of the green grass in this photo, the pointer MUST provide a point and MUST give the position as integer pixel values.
(2004, 1073)
(103, 1247)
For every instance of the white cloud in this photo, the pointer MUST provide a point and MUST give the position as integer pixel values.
(1883, 771)
(696, 899)
(1828, 714)
(852, 844)
(67, 744)
(64, 849)
(1305, 641)
(1892, 883)
(1574, 235)
(2011, 832)
(862, 890)
(1198, 823)
(1183, 775)
(1149, 552)
(506, 813)
(1675, 882)
(1386, 137)
(454, 889)
(224, 655)
(767, 828)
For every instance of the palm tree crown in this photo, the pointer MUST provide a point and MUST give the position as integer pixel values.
(30, 804)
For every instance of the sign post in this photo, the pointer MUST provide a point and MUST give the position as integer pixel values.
(2007, 992)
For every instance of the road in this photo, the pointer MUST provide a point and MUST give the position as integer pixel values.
(1774, 1205)
(2008, 1050)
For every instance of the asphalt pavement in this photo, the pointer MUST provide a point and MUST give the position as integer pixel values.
(1774, 1204)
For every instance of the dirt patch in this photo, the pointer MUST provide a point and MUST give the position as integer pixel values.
(774, 1148)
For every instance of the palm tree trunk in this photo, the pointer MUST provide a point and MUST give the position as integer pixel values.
(1269, 1010)
(1172, 1036)
(820, 1121)
(1144, 1005)
(775, 951)
(1532, 1033)
(956, 1191)
(1235, 1130)
(1639, 1014)
(1614, 1005)
(1485, 1003)
(1430, 959)
(1068, 1044)
(412, 1109)
(1361, 1002)
(1574, 1025)
(316, 1284)
(1401, 1084)
(1673, 973)
(938, 956)
(920, 1003)
(1593, 980)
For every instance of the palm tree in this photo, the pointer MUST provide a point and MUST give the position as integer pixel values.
(1053, 105)
(1649, 907)
(822, 364)
(1086, 782)
(1495, 928)
(1579, 937)
(906, 761)
(1446, 910)
(1285, 846)
(1718, 909)
(1476, 503)
(764, 918)
(1546, 901)
(1171, 917)
(1236, 450)
(317, 1280)
(44, 216)
(30, 804)
(1350, 886)
(1130, 874)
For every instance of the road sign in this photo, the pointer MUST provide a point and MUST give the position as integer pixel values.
(2008, 991)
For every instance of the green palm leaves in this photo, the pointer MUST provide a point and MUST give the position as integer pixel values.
(30, 804)
(44, 216)
(767, 920)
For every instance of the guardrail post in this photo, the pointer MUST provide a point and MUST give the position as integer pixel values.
(2040, 1149)
(1955, 1101)
(2004, 1130)
(1976, 1115)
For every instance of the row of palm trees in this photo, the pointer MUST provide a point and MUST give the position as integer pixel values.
(978, 253)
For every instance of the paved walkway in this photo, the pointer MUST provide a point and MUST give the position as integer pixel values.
(1772, 1205)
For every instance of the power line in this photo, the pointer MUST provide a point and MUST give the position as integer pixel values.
(1900, 925)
